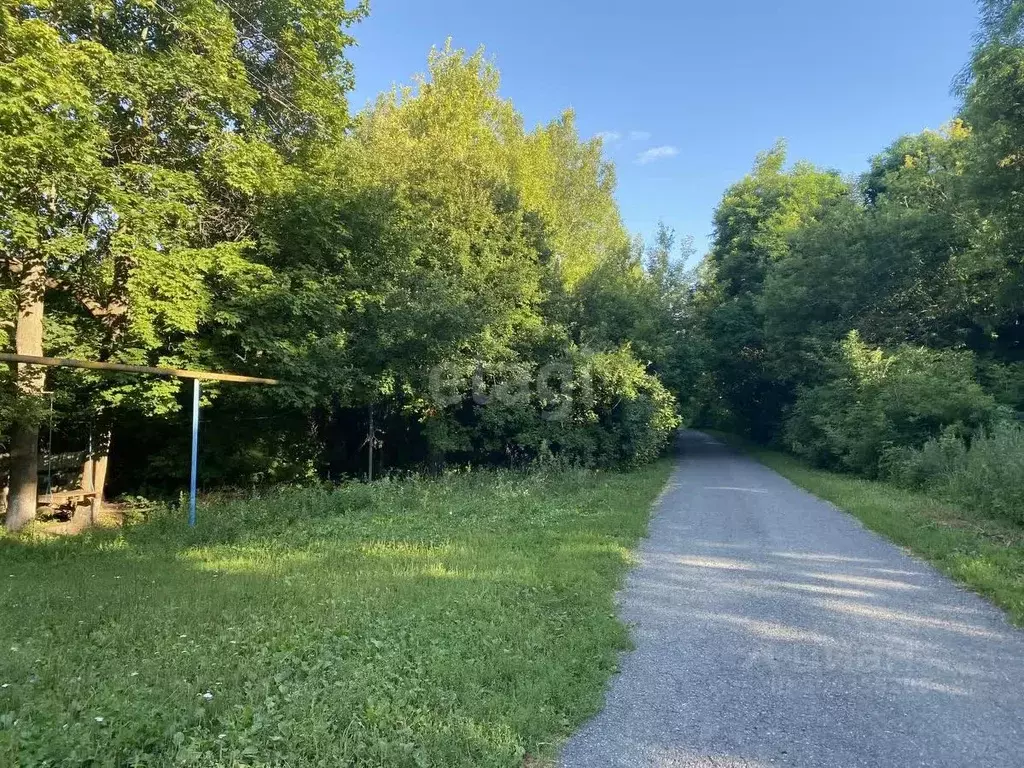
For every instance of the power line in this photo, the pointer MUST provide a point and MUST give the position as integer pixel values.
(284, 102)
(253, 26)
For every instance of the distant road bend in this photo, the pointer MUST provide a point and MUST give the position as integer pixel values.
(774, 630)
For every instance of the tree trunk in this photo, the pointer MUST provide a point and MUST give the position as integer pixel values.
(29, 384)
(101, 459)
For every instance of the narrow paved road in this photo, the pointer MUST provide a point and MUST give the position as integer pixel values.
(774, 630)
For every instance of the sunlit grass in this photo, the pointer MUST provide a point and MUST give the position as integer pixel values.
(984, 553)
(463, 621)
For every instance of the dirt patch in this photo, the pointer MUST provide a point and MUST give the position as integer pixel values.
(70, 523)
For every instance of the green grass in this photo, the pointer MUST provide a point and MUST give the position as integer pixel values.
(463, 621)
(981, 552)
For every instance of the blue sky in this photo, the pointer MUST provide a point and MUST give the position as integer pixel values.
(700, 87)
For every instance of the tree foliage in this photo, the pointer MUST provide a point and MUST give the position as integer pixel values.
(181, 184)
(854, 321)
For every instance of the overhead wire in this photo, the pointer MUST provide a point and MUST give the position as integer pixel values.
(259, 31)
(270, 90)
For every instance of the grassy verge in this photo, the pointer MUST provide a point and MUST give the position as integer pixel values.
(464, 621)
(982, 553)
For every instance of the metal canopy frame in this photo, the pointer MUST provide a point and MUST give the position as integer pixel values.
(179, 373)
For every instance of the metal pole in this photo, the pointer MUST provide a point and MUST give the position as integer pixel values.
(92, 480)
(372, 435)
(49, 455)
(195, 453)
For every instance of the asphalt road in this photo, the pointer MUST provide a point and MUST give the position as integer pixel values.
(772, 629)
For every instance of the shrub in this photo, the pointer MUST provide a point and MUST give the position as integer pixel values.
(920, 467)
(876, 402)
(596, 409)
(631, 410)
(984, 473)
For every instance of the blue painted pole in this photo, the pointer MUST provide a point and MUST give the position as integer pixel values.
(195, 453)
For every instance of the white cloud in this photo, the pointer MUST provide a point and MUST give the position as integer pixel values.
(609, 137)
(656, 153)
(639, 135)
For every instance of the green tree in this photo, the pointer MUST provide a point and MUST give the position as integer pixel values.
(887, 262)
(754, 226)
(152, 132)
(640, 296)
(993, 105)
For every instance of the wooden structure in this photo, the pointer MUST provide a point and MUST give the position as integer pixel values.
(75, 478)
(71, 479)
(91, 469)
(63, 362)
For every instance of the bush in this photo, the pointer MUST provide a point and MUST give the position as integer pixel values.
(875, 403)
(984, 473)
(598, 409)
(632, 411)
(920, 467)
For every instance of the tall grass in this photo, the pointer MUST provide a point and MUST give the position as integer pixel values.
(463, 621)
(985, 472)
